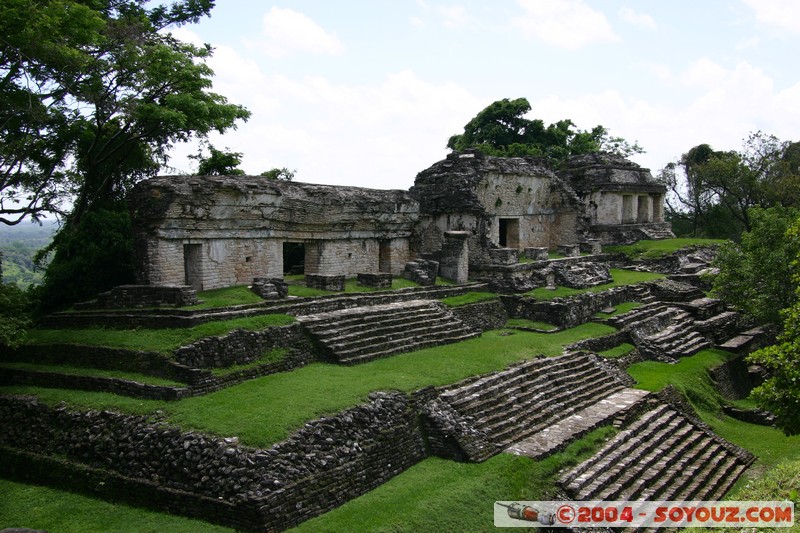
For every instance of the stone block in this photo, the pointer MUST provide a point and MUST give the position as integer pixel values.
(325, 282)
(270, 288)
(591, 246)
(537, 253)
(377, 280)
(504, 256)
(569, 250)
(455, 256)
(422, 271)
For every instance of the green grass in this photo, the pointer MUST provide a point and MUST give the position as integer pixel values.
(59, 511)
(469, 298)
(527, 323)
(648, 249)
(265, 410)
(620, 276)
(226, 297)
(95, 372)
(153, 340)
(619, 309)
(270, 356)
(618, 351)
(441, 495)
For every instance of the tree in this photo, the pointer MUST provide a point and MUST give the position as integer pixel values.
(92, 96)
(780, 393)
(756, 275)
(14, 314)
(501, 129)
(219, 163)
(282, 174)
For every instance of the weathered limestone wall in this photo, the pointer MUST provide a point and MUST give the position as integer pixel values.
(219, 231)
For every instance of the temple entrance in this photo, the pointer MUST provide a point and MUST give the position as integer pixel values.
(294, 258)
(384, 256)
(509, 233)
(193, 265)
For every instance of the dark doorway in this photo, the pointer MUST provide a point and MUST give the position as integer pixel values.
(294, 258)
(509, 233)
(385, 256)
(193, 265)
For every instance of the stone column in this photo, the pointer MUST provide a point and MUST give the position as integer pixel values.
(454, 264)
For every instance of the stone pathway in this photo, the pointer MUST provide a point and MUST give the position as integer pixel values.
(554, 438)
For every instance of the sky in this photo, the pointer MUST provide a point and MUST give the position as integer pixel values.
(367, 93)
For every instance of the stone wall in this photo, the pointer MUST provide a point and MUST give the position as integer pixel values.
(732, 379)
(241, 347)
(482, 316)
(133, 296)
(567, 312)
(326, 463)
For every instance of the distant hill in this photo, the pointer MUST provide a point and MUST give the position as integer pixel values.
(18, 245)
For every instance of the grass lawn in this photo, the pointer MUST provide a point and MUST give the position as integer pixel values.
(618, 351)
(648, 249)
(469, 298)
(226, 297)
(441, 495)
(265, 410)
(620, 276)
(152, 340)
(94, 372)
(527, 323)
(43, 508)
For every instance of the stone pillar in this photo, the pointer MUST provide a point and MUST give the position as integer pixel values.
(454, 264)
(537, 253)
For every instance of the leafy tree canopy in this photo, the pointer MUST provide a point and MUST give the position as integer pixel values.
(781, 392)
(219, 163)
(503, 130)
(93, 95)
(282, 174)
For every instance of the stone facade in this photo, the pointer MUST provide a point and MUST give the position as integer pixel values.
(218, 231)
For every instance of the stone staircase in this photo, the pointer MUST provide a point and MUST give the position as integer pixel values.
(661, 456)
(658, 231)
(662, 331)
(361, 334)
(508, 406)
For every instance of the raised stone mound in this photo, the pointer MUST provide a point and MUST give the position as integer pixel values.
(136, 296)
(484, 416)
(663, 455)
(361, 334)
(581, 275)
(422, 271)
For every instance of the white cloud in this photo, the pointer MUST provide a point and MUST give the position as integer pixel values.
(752, 42)
(287, 32)
(783, 14)
(642, 20)
(453, 16)
(567, 24)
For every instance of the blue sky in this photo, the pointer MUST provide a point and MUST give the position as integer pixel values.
(367, 93)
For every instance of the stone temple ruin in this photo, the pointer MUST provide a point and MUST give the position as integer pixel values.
(464, 211)
(486, 223)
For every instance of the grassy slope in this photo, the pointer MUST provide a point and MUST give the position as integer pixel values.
(648, 249)
(154, 340)
(265, 410)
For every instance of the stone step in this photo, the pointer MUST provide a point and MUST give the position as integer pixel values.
(495, 383)
(382, 337)
(410, 347)
(553, 413)
(403, 344)
(332, 328)
(546, 394)
(636, 315)
(675, 346)
(698, 445)
(522, 385)
(554, 438)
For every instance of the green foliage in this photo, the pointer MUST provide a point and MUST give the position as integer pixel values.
(618, 351)
(780, 483)
(218, 162)
(93, 97)
(469, 298)
(18, 247)
(756, 275)
(15, 314)
(281, 174)
(91, 256)
(94, 372)
(501, 129)
(153, 340)
(226, 297)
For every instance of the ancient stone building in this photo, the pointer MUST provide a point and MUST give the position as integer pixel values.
(217, 231)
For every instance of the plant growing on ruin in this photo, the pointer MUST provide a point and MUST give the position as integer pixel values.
(502, 129)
